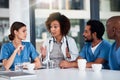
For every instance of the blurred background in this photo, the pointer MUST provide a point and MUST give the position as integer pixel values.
(34, 13)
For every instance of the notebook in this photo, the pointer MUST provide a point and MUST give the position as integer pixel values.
(16, 75)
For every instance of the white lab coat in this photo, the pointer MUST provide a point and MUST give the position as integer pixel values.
(73, 50)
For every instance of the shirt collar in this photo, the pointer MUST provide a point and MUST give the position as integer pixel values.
(62, 41)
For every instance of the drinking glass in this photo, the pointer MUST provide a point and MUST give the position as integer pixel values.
(18, 67)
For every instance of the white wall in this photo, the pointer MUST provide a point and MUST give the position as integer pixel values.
(19, 11)
(4, 13)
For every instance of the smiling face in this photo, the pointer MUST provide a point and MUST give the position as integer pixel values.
(21, 33)
(55, 29)
(87, 34)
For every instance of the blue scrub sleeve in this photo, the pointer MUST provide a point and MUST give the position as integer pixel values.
(33, 52)
(118, 56)
(82, 53)
(104, 53)
(4, 53)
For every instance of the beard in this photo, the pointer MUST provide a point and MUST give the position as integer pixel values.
(88, 40)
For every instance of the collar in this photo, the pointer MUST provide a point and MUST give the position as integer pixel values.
(62, 41)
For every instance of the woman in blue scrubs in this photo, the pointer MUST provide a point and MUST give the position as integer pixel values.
(18, 51)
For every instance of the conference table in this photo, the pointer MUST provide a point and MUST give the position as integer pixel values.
(73, 74)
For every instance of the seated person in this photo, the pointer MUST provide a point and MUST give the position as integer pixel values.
(95, 49)
(113, 32)
(18, 51)
(59, 46)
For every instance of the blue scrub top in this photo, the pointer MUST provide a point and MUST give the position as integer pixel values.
(102, 51)
(114, 57)
(28, 54)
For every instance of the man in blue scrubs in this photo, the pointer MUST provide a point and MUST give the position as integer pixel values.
(95, 50)
(113, 31)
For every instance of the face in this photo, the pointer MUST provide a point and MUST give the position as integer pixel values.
(21, 33)
(55, 29)
(87, 34)
(110, 31)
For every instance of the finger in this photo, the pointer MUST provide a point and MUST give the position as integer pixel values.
(41, 48)
(21, 48)
(62, 67)
(66, 49)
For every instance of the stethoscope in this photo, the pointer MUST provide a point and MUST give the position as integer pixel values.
(53, 39)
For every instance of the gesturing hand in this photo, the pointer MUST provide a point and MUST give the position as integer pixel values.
(19, 49)
(43, 52)
(67, 53)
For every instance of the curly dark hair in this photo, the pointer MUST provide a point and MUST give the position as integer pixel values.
(15, 26)
(96, 26)
(62, 19)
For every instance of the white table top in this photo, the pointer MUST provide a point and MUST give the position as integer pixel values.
(75, 74)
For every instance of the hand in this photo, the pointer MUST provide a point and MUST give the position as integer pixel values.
(19, 49)
(43, 52)
(67, 53)
(64, 64)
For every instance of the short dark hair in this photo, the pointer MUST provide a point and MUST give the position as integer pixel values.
(62, 19)
(15, 26)
(96, 26)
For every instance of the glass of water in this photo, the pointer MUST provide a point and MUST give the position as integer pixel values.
(51, 64)
(18, 67)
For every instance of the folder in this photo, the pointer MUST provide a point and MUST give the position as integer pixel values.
(10, 75)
